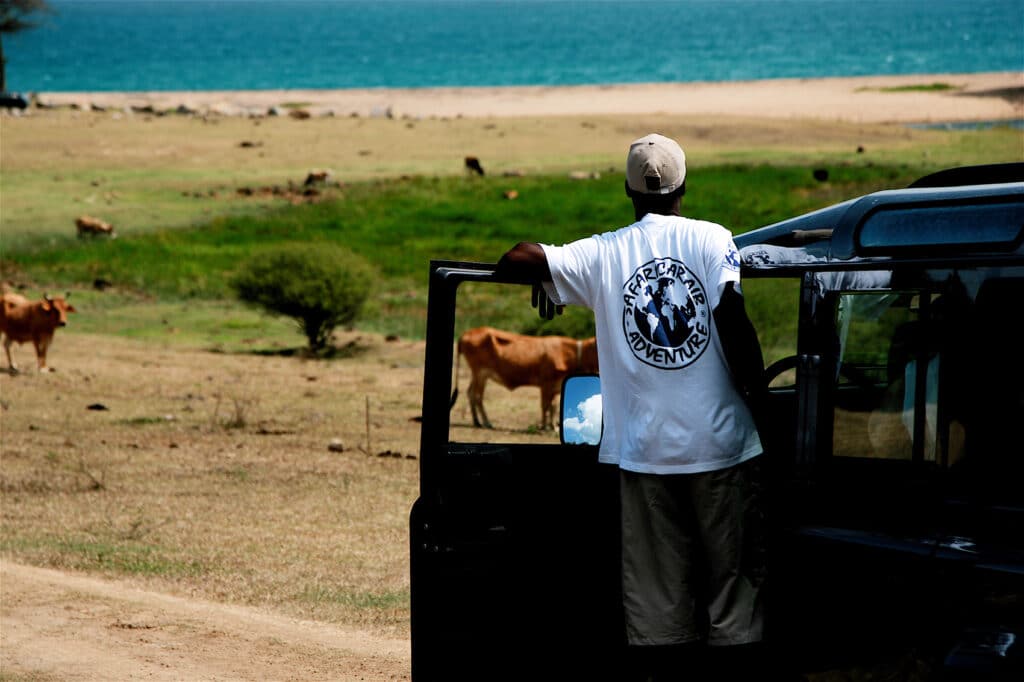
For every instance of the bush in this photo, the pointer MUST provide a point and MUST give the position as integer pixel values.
(320, 286)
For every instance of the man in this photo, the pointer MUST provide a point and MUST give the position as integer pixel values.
(677, 384)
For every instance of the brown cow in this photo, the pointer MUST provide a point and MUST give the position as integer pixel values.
(22, 320)
(88, 226)
(515, 360)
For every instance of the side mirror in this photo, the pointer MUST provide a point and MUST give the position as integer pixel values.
(581, 421)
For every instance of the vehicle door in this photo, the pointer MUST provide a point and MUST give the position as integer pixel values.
(514, 537)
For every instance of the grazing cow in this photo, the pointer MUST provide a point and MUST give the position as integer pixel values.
(317, 177)
(22, 320)
(473, 165)
(90, 227)
(515, 360)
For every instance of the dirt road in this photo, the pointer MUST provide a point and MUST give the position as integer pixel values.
(59, 626)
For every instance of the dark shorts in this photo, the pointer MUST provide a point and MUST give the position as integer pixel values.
(693, 557)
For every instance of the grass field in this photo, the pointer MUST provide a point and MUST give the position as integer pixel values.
(145, 172)
(171, 187)
(209, 473)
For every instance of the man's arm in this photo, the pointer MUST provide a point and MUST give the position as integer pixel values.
(741, 346)
(527, 261)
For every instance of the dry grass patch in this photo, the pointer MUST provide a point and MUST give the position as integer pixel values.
(209, 474)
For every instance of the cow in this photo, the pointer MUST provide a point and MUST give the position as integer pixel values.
(22, 320)
(473, 165)
(515, 360)
(317, 177)
(88, 226)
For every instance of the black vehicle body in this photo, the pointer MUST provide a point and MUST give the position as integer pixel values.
(13, 100)
(892, 441)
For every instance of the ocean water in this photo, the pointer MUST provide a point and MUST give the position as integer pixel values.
(112, 45)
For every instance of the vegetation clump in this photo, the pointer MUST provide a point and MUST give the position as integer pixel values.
(320, 286)
(923, 87)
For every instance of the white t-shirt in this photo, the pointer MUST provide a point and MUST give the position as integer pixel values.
(669, 403)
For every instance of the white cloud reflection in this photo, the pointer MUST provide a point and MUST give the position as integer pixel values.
(585, 428)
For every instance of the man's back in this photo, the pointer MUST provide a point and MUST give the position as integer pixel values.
(670, 405)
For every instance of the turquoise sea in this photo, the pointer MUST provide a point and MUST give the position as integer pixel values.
(112, 45)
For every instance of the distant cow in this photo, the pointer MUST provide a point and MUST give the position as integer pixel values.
(473, 165)
(22, 320)
(317, 177)
(90, 227)
(515, 360)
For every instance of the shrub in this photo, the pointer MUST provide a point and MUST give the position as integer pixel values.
(320, 286)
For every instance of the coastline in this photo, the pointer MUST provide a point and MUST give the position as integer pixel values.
(968, 97)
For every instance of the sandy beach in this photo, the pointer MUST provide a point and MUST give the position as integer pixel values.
(868, 99)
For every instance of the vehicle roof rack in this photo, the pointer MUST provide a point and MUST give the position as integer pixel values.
(988, 174)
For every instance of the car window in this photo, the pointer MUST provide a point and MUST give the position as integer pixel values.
(773, 305)
(881, 367)
(916, 368)
(510, 364)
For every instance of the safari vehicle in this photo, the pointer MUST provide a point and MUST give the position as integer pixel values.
(893, 437)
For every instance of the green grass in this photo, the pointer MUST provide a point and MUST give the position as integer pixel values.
(172, 284)
(40, 203)
(359, 600)
(45, 204)
(925, 87)
(124, 557)
(221, 325)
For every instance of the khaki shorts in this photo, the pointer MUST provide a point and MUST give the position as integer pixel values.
(693, 557)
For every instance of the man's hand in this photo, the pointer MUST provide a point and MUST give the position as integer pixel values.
(527, 260)
(545, 308)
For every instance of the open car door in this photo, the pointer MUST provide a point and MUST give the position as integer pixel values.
(515, 535)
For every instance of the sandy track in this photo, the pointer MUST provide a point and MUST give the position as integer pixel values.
(69, 627)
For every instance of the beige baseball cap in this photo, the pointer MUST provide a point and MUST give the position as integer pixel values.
(655, 165)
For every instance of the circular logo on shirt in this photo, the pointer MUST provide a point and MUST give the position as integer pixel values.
(665, 317)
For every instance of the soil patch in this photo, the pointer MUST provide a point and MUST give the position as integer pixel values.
(71, 627)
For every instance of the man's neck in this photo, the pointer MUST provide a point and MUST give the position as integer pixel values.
(639, 213)
(642, 208)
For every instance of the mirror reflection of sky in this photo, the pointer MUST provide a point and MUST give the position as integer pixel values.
(581, 408)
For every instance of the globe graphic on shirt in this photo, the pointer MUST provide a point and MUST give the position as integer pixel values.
(665, 318)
